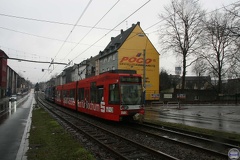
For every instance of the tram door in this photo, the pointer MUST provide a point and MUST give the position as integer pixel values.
(86, 95)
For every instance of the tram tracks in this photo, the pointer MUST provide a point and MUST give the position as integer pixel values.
(198, 143)
(170, 145)
(119, 146)
(196, 118)
(214, 139)
(144, 142)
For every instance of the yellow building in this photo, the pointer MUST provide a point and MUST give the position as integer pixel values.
(126, 51)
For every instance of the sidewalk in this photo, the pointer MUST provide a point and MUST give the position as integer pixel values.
(15, 129)
(24, 146)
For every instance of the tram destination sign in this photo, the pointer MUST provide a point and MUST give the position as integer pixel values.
(130, 79)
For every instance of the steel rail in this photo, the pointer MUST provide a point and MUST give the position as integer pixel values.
(118, 152)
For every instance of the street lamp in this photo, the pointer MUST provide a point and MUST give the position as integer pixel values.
(144, 69)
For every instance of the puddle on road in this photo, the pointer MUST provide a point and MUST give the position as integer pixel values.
(7, 109)
(223, 118)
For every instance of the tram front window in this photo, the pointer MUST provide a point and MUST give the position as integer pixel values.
(114, 97)
(131, 94)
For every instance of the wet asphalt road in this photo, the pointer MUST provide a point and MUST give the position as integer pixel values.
(216, 117)
(13, 120)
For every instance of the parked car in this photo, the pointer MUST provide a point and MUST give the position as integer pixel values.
(13, 98)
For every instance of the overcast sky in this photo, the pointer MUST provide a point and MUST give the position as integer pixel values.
(63, 30)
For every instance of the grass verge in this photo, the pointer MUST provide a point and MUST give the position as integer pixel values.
(49, 141)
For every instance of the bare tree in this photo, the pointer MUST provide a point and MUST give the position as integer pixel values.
(165, 80)
(234, 29)
(200, 67)
(220, 46)
(234, 12)
(182, 30)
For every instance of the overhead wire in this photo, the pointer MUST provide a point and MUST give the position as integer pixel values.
(144, 29)
(26, 60)
(92, 28)
(112, 29)
(52, 22)
(205, 14)
(36, 35)
(24, 54)
(62, 23)
(73, 27)
(97, 27)
(85, 9)
(78, 25)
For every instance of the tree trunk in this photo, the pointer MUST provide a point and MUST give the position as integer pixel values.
(184, 71)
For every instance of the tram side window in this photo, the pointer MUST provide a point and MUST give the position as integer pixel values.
(67, 93)
(59, 94)
(72, 93)
(99, 93)
(64, 94)
(93, 92)
(114, 97)
(81, 94)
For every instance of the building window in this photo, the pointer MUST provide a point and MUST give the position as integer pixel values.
(105, 60)
(113, 68)
(113, 57)
(111, 48)
(110, 58)
(196, 98)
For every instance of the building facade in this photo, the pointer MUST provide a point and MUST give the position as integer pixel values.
(3, 73)
(12, 82)
(126, 51)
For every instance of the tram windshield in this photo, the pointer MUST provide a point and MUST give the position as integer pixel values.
(131, 94)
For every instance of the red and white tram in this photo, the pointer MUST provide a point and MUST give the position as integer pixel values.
(111, 96)
(58, 95)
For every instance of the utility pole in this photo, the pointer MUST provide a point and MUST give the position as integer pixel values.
(144, 76)
(144, 69)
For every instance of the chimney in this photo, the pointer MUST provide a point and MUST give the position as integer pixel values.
(121, 31)
(138, 23)
(112, 38)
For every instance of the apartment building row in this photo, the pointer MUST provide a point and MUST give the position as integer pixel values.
(126, 51)
(10, 81)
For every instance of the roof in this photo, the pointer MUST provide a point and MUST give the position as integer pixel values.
(3, 54)
(91, 60)
(197, 78)
(191, 78)
(116, 42)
